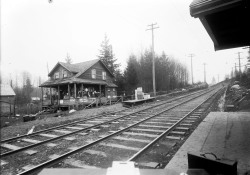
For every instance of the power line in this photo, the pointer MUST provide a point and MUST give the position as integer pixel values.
(152, 28)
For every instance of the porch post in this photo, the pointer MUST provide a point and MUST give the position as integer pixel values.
(75, 89)
(10, 107)
(14, 106)
(50, 95)
(69, 90)
(42, 97)
(100, 89)
(58, 97)
(82, 89)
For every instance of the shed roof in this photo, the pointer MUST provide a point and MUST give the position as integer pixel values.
(226, 21)
(50, 83)
(6, 90)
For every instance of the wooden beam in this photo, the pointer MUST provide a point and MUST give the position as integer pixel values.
(209, 31)
(58, 97)
(82, 89)
(69, 90)
(50, 93)
(100, 90)
(75, 89)
(42, 96)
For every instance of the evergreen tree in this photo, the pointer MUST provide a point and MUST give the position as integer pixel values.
(107, 56)
(120, 82)
(68, 59)
(27, 89)
(131, 74)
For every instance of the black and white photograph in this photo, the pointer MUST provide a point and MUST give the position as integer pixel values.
(125, 87)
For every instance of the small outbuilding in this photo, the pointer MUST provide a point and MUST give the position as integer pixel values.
(7, 98)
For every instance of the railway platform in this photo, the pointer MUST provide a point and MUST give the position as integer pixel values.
(226, 134)
(131, 103)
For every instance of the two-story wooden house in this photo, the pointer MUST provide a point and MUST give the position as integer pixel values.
(78, 84)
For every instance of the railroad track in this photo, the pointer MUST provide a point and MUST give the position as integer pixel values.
(140, 128)
(133, 109)
(107, 117)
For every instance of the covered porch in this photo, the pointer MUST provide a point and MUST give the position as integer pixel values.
(77, 93)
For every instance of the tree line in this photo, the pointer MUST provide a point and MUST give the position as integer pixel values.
(24, 87)
(169, 72)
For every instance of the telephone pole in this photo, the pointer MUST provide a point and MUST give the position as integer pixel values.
(191, 56)
(248, 58)
(232, 74)
(235, 70)
(204, 72)
(153, 54)
(239, 63)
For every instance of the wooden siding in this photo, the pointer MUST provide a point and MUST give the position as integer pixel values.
(9, 99)
(5, 107)
(99, 69)
(60, 69)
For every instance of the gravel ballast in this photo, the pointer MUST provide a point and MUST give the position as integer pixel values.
(50, 121)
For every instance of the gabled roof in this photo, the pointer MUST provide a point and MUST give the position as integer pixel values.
(6, 90)
(78, 68)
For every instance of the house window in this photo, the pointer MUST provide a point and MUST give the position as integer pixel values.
(65, 74)
(104, 75)
(56, 75)
(93, 73)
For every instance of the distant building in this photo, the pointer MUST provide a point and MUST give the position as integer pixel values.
(80, 83)
(7, 98)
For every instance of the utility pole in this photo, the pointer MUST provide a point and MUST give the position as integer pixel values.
(204, 72)
(248, 58)
(235, 69)
(153, 54)
(239, 63)
(191, 56)
(232, 74)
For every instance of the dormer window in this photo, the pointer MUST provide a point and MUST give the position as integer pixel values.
(104, 75)
(56, 75)
(93, 73)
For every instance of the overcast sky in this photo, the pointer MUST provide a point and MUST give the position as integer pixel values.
(35, 33)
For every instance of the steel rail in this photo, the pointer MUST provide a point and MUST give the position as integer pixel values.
(74, 132)
(56, 160)
(96, 116)
(84, 129)
(169, 129)
(56, 127)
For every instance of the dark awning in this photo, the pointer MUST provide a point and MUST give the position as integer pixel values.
(55, 83)
(226, 21)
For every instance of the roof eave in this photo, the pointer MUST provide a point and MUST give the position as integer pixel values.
(59, 63)
(206, 7)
